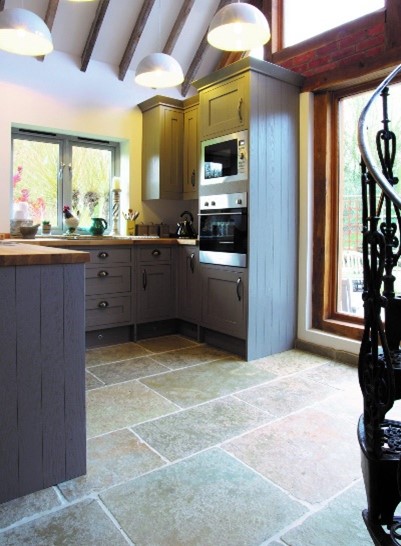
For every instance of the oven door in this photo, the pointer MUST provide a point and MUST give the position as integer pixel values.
(223, 237)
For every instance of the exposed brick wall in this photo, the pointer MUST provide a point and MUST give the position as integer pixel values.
(344, 50)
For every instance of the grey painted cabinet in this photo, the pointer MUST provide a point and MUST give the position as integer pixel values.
(224, 300)
(191, 150)
(108, 279)
(188, 284)
(155, 291)
(42, 377)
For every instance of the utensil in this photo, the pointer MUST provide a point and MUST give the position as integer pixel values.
(131, 215)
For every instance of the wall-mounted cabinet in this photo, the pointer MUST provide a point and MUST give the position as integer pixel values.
(162, 145)
(191, 149)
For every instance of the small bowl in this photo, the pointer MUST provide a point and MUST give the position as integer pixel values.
(29, 232)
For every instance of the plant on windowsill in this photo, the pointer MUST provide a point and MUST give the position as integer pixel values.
(46, 227)
(71, 221)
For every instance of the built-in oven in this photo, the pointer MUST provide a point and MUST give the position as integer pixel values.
(223, 229)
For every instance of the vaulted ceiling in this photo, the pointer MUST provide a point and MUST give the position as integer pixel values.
(121, 32)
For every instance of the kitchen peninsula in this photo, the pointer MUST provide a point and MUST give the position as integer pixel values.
(42, 367)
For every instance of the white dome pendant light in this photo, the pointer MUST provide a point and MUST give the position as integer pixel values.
(24, 33)
(238, 27)
(159, 70)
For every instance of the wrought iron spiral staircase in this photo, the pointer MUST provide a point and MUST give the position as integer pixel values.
(380, 354)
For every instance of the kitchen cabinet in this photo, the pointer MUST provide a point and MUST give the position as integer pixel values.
(188, 284)
(162, 145)
(191, 149)
(224, 107)
(224, 300)
(264, 99)
(108, 279)
(155, 294)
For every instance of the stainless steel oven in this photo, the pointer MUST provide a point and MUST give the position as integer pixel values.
(223, 229)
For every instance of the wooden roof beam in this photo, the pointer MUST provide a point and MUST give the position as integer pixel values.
(178, 26)
(51, 11)
(93, 33)
(134, 38)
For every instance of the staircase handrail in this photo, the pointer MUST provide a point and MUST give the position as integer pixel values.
(364, 147)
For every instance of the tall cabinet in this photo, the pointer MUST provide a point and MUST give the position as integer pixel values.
(264, 99)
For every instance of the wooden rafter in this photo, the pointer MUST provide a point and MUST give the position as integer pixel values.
(134, 38)
(178, 26)
(51, 11)
(93, 33)
(194, 66)
(2, 3)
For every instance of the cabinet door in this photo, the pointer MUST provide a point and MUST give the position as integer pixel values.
(224, 297)
(224, 108)
(188, 284)
(191, 153)
(171, 171)
(155, 293)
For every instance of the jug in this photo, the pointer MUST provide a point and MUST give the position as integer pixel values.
(98, 226)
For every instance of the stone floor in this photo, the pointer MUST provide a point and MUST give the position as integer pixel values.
(189, 445)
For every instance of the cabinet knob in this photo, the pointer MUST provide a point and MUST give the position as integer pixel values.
(103, 304)
(103, 255)
(156, 252)
(102, 274)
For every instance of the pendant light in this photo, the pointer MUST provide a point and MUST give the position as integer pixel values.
(159, 70)
(24, 33)
(238, 27)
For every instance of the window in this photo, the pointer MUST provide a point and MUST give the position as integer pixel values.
(308, 18)
(52, 170)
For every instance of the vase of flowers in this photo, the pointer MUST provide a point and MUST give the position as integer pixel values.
(71, 221)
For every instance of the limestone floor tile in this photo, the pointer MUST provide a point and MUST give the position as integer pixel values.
(166, 343)
(113, 353)
(92, 382)
(335, 374)
(310, 454)
(119, 406)
(112, 459)
(347, 404)
(184, 433)
(189, 356)
(83, 524)
(299, 393)
(340, 523)
(24, 507)
(197, 384)
(209, 499)
(289, 362)
(125, 370)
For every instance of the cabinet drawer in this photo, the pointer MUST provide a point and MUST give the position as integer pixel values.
(107, 311)
(107, 280)
(155, 254)
(109, 255)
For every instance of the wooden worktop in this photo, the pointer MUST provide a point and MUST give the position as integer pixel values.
(87, 241)
(16, 253)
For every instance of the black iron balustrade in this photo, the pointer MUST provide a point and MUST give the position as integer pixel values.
(380, 355)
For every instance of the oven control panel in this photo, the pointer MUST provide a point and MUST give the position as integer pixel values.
(223, 201)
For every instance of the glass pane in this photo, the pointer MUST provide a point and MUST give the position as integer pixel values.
(91, 175)
(35, 167)
(350, 271)
(308, 18)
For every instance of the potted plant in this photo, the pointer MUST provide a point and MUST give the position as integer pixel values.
(46, 227)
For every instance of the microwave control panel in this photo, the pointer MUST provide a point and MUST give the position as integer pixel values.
(242, 156)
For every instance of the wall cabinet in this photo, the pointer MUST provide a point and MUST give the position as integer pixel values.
(155, 294)
(162, 145)
(108, 279)
(224, 108)
(224, 300)
(191, 150)
(188, 284)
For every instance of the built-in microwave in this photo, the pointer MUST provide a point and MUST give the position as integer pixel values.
(225, 158)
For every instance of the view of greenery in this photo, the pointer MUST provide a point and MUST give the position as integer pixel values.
(350, 202)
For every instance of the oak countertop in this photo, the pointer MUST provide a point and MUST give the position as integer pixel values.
(13, 253)
(109, 241)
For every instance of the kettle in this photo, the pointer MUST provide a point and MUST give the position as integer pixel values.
(185, 229)
(98, 226)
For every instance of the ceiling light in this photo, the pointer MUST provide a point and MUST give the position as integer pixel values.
(24, 33)
(159, 70)
(238, 27)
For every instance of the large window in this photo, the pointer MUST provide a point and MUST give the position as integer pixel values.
(303, 20)
(51, 171)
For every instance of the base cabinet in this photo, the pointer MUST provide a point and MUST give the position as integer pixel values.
(188, 284)
(224, 300)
